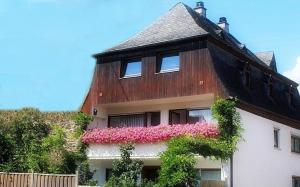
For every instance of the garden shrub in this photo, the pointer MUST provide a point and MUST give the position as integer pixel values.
(29, 143)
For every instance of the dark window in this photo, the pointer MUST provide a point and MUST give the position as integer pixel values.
(168, 63)
(150, 173)
(276, 138)
(131, 68)
(270, 87)
(296, 181)
(153, 118)
(108, 173)
(134, 120)
(291, 96)
(295, 142)
(248, 76)
(178, 116)
(191, 116)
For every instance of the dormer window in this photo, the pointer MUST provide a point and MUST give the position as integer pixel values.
(270, 87)
(168, 63)
(131, 68)
(291, 96)
(248, 76)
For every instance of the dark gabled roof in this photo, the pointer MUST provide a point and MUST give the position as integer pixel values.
(180, 23)
(177, 24)
(268, 58)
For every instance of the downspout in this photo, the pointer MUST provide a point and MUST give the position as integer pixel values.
(231, 170)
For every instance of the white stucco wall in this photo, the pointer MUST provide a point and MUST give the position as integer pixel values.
(102, 157)
(111, 151)
(257, 163)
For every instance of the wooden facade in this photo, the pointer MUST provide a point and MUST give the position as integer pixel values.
(196, 76)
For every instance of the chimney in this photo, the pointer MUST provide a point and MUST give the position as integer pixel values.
(223, 24)
(200, 8)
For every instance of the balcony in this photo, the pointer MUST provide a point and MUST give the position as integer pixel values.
(149, 141)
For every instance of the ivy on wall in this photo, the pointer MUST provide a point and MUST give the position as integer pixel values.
(177, 162)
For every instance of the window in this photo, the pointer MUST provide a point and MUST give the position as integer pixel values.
(210, 174)
(296, 181)
(150, 173)
(134, 120)
(248, 76)
(270, 87)
(191, 116)
(295, 142)
(131, 69)
(168, 63)
(276, 138)
(108, 174)
(291, 96)
(153, 118)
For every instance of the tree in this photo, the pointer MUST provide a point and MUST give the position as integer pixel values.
(27, 130)
(6, 148)
(125, 171)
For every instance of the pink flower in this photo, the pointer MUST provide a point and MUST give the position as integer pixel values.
(148, 134)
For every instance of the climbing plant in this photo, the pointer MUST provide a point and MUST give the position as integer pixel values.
(177, 162)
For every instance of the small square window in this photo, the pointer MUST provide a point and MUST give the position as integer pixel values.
(296, 181)
(295, 143)
(276, 138)
(131, 69)
(168, 63)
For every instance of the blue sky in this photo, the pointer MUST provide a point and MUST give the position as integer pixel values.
(46, 45)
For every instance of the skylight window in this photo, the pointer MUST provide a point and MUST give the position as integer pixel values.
(168, 63)
(131, 69)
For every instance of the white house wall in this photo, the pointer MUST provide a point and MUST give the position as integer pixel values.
(257, 163)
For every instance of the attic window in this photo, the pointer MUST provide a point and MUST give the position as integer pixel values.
(132, 68)
(248, 76)
(270, 87)
(291, 96)
(168, 63)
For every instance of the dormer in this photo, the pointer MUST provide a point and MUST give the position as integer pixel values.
(268, 58)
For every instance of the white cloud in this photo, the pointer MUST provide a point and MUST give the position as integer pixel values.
(294, 73)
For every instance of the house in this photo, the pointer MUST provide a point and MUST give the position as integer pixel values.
(172, 72)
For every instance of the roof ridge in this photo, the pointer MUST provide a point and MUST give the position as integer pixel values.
(270, 51)
(169, 14)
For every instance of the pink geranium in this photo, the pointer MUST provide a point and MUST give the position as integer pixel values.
(148, 134)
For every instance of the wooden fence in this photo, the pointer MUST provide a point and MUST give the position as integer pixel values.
(37, 180)
(212, 183)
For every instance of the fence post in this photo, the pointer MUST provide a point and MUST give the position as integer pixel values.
(32, 178)
(76, 179)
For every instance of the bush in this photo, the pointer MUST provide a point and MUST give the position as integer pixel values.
(28, 143)
(26, 131)
(177, 162)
